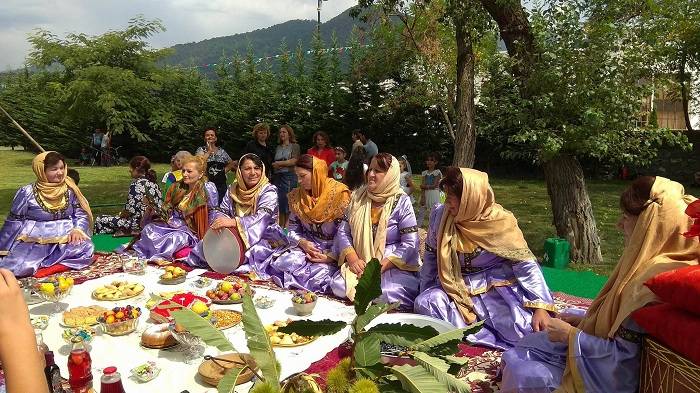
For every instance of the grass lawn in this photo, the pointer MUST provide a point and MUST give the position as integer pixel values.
(528, 199)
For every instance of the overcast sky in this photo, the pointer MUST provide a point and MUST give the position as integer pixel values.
(185, 20)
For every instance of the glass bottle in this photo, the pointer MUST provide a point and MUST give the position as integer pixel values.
(80, 371)
(41, 345)
(111, 381)
(53, 374)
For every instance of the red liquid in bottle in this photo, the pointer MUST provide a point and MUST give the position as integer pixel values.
(111, 381)
(79, 371)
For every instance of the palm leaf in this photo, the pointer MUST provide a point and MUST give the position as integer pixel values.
(228, 382)
(308, 328)
(201, 328)
(418, 380)
(367, 350)
(439, 369)
(259, 342)
(402, 334)
(457, 334)
(369, 286)
(458, 360)
(372, 312)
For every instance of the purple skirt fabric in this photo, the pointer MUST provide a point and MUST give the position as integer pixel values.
(161, 241)
(397, 286)
(27, 258)
(293, 271)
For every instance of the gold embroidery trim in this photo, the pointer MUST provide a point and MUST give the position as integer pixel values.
(401, 264)
(571, 360)
(542, 305)
(482, 290)
(4, 253)
(344, 254)
(43, 240)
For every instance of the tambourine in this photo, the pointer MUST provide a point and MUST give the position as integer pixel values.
(223, 249)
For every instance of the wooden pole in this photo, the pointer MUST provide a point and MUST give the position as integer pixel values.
(38, 146)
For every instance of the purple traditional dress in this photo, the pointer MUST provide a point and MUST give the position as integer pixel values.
(256, 213)
(602, 353)
(313, 221)
(478, 266)
(35, 234)
(182, 226)
(504, 292)
(389, 232)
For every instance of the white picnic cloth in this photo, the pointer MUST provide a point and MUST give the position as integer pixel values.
(125, 352)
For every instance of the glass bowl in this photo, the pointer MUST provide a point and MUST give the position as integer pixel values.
(120, 328)
(303, 309)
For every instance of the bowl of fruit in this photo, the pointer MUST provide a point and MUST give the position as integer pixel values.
(54, 289)
(120, 321)
(173, 275)
(304, 302)
(227, 292)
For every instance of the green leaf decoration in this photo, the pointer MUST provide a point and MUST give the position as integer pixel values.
(259, 342)
(448, 348)
(372, 312)
(366, 351)
(439, 369)
(390, 386)
(401, 333)
(201, 328)
(372, 372)
(369, 286)
(457, 334)
(228, 382)
(416, 379)
(458, 360)
(309, 328)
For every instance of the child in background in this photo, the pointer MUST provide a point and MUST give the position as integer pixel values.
(340, 165)
(406, 179)
(84, 158)
(175, 173)
(430, 186)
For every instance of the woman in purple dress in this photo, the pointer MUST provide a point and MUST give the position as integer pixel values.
(49, 222)
(184, 218)
(600, 352)
(381, 224)
(317, 207)
(478, 266)
(250, 208)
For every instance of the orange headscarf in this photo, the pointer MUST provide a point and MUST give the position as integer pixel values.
(246, 199)
(328, 198)
(480, 222)
(53, 194)
(656, 245)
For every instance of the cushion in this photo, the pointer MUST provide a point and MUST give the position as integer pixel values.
(680, 287)
(673, 327)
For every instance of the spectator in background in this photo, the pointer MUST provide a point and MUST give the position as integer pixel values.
(106, 145)
(175, 174)
(84, 158)
(97, 146)
(355, 174)
(73, 174)
(218, 162)
(370, 147)
(430, 187)
(260, 147)
(340, 165)
(284, 177)
(322, 148)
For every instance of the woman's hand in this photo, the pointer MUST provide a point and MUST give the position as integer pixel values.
(357, 266)
(76, 237)
(211, 147)
(571, 319)
(319, 257)
(558, 330)
(223, 222)
(540, 320)
(309, 248)
(387, 264)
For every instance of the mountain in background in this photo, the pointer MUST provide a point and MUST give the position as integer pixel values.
(264, 42)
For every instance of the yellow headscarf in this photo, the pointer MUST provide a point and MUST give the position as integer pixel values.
(365, 244)
(480, 222)
(328, 198)
(656, 245)
(246, 199)
(53, 195)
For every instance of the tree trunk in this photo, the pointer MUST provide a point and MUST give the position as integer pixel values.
(465, 132)
(683, 79)
(571, 208)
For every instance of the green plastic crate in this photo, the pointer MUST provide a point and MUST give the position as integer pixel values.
(556, 253)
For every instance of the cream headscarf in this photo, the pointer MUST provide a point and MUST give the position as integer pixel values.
(656, 245)
(367, 246)
(53, 195)
(246, 199)
(480, 222)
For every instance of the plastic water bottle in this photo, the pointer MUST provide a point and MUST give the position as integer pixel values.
(111, 381)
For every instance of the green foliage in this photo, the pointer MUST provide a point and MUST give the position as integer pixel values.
(366, 349)
(402, 334)
(310, 328)
(439, 369)
(202, 328)
(418, 380)
(363, 385)
(457, 334)
(264, 387)
(259, 343)
(373, 311)
(228, 382)
(368, 286)
(338, 378)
